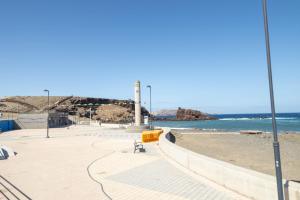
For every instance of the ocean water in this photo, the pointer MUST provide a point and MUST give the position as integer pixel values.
(286, 122)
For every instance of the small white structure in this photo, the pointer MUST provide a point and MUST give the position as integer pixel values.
(146, 120)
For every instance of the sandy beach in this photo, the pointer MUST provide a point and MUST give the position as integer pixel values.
(250, 151)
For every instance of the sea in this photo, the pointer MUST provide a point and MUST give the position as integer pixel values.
(286, 122)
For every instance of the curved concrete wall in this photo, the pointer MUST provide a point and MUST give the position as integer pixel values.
(247, 182)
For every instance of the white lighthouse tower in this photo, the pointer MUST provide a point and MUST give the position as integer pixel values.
(137, 99)
(138, 127)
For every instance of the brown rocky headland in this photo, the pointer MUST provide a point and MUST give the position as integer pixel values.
(186, 115)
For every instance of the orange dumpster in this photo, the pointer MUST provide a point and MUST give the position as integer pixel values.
(151, 136)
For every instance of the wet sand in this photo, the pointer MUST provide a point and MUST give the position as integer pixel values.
(250, 151)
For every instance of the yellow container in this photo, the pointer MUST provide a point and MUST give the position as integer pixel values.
(151, 136)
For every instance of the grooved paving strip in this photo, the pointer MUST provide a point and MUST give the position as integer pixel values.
(11, 192)
(161, 176)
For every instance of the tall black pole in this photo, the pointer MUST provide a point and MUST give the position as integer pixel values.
(48, 112)
(150, 119)
(275, 142)
(151, 107)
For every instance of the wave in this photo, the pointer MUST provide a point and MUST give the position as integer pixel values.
(259, 118)
(231, 119)
(284, 118)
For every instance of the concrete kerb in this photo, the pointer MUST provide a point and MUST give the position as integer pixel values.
(247, 182)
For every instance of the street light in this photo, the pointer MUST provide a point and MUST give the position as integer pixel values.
(274, 125)
(91, 105)
(48, 113)
(150, 119)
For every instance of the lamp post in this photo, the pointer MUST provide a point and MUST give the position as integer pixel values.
(90, 115)
(48, 113)
(131, 103)
(274, 125)
(150, 119)
(91, 105)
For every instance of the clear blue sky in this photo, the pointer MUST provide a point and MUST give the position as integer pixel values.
(208, 55)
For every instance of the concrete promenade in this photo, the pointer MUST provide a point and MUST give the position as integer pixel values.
(83, 162)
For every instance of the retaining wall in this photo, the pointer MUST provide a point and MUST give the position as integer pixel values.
(244, 181)
(39, 121)
(32, 121)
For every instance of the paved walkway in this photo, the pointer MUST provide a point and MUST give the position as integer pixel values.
(96, 163)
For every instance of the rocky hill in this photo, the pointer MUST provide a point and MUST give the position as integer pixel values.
(106, 110)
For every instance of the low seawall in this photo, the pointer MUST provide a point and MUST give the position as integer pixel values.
(244, 181)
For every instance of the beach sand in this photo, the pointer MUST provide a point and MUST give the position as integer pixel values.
(250, 151)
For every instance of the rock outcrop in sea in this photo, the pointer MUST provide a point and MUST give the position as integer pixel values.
(186, 115)
(189, 114)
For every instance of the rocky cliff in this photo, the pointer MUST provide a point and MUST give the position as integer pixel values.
(106, 110)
